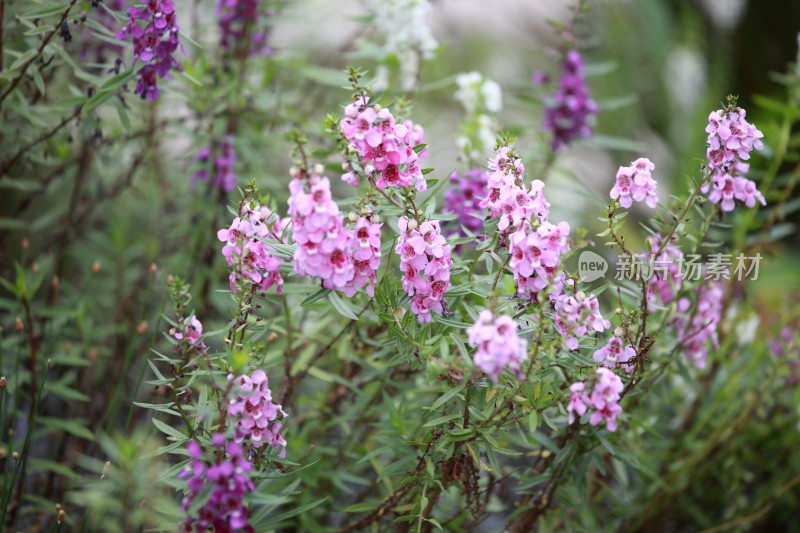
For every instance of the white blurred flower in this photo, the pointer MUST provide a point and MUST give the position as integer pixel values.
(476, 92)
(685, 76)
(407, 36)
(725, 14)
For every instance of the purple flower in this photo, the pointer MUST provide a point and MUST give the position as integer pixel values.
(239, 26)
(567, 115)
(224, 178)
(464, 198)
(228, 482)
(730, 140)
(699, 328)
(153, 28)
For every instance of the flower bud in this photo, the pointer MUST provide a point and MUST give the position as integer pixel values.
(272, 337)
(61, 516)
(15, 455)
(35, 268)
(294, 172)
(319, 169)
(3, 453)
(170, 280)
(619, 332)
(18, 324)
(153, 268)
(352, 217)
(345, 165)
(96, 267)
(141, 329)
(3, 382)
(412, 224)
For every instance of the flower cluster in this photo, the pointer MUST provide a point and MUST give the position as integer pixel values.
(577, 315)
(615, 352)
(603, 400)
(425, 263)
(699, 326)
(254, 412)
(237, 24)
(386, 147)
(507, 196)
(225, 509)
(567, 115)
(192, 330)
(407, 37)
(636, 183)
(536, 257)
(253, 259)
(224, 178)
(730, 140)
(463, 199)
(345, 259)
(498, 344)
(153, 43)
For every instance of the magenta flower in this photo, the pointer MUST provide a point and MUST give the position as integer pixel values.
(730, 140)
(536, 258)
(463, 199)
(567, 114)
(224, 177)
(227, 478)
(239, 26)
(153, 28)
(636, 183)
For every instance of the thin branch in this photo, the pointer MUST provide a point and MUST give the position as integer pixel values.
(42, 45)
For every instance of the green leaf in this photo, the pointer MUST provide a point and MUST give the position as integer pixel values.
(320, 294)
(72, 426)
(447, 396)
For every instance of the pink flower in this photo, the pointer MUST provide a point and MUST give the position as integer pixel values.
(698, 329)
(577, 316)
(636, 183)
(536, 257)
(254, 260)
(425, 263)
(730, 140)
(498, 343)
(385, 147)
(254, 413)
(614, 353)
(602, 402)
(577, 401)
(192, 331)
